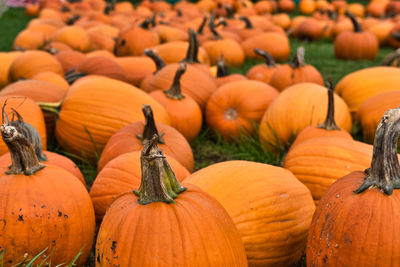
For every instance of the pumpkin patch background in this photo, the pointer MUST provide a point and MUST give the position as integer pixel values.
(249, 77)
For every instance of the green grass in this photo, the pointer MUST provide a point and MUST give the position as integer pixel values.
(12, 22)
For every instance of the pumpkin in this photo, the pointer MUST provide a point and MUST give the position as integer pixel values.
(360, 85)
(286, 5)
(99, 41)
(75, 37)
(136, 68)
(123, 173)
(295, 72)
(327, 128)
(180, 226)
(307, 6)
(174, 52)
(29, 40)
(52, 197)
(30, 63)
(32, 9)
(6, 59)
(262, 72)
(358, 214)
(382, 31)
(170, 34)
(297, 107)
(371, 111)
(274, 43)
(356, 45)
(392, 59)
(184, 112)
(29, 111)
(133, 136)
(270, 207)
(394, 37)
(311, 29)
(106, 105)
(223, 75)
(70, 59)
(53, 78)
(235, 107)
(159, 63)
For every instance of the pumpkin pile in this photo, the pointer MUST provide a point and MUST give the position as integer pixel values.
(128, 89)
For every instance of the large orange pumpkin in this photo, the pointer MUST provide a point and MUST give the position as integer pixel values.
(95, 108)
(48, 217)
(173, 225)
(270, 207)
(358, 216)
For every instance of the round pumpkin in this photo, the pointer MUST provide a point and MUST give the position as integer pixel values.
(75, 37)
(274, 43)
(262, 72)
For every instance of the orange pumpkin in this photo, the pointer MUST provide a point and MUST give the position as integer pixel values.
(132, 138)
(75, 37)
(223, 75)
(270, 207)
(262, 72)
(6, 59)
(276, 44)
(136, 68)
(53, 78)
(70, 59)
(159, 63)
(29, 40)
(179, 226)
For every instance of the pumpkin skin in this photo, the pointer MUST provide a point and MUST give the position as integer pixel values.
(75, 37)
(125, 141)
(52, 78)
(174, 52)
(371, 111)
(136, 68)
(275, 44)
(320, 161)
(261, 199)
(360, 85)
(233, 108)
(124, 174)
(229, 48)
(30, 63)
(262, 72)
(106, 105)
(29, 40)
(303, 104)
(6, 59)
(70, 59)
(133, 41)
(30, 112)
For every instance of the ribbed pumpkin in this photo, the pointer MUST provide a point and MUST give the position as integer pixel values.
(29, 111)
(297, 107)
(356, 45)
(327, 128)
(195, 83)
(270, 207)
(120, 175)
(132, 138)
(70, 59)
(95, 108)
(75, 37)
(358, 217)
(295, 72)
(30, 63)
(237, 106)
(262, 72)
(276, 44)
(6, 59)
(48, 217)
(173, 225)
(371, 111)
(184, 112)
(360, 85)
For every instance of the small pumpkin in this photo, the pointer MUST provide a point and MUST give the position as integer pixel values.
(262, 72)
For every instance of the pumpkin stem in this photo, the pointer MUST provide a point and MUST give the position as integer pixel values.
(356, 25)
(298, 60)
(193, 49)
(150, 128)
(73, 76)
(385, 170)
(249, 25)
(329, 124)
(175, 92)
(390, 58)
(110, 6)
(159, 183)
(23, 154)
(230, 13)
(222, 69)
(269, 60)
(156, 58)
(147, 22)
(211, 25)
(201, 27)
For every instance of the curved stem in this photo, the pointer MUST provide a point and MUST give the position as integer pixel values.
(329, 124)
(385, 170)
(389, 59)
(156, 58)
(201, 27)
(71, 78)
(193, 49)
(269, 60)
(356, 25)
(159, 183)
(298, 60)
(150, 128)
(211, 25)
(222, 69)
(249, 25)
(175, 92)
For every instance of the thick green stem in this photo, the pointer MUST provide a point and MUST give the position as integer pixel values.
(150, 128)
(356, 25)
(298, 60)
(385, 170)
(329, 124)
(156, 58)
(159, 183)
(269, 60)
(175, 92)
(193, 49)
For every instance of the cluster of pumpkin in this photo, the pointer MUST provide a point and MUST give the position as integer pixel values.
(100, 67)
